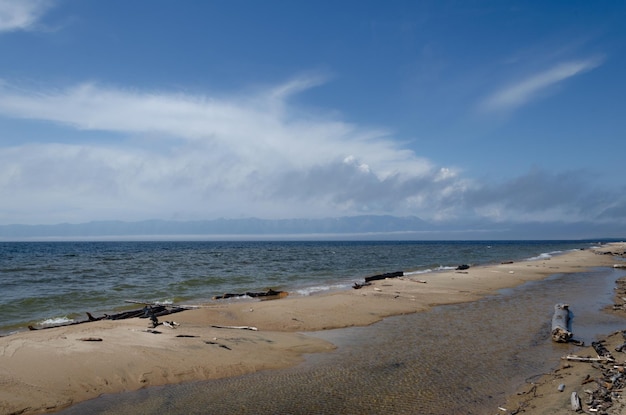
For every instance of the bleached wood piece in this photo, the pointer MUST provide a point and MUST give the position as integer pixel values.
(235, 327)
(560, 324)
(576, 405)
(575, 358)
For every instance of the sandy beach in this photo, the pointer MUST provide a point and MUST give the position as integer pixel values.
(46, 370)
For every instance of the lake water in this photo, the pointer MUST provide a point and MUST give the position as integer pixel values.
(58, 282)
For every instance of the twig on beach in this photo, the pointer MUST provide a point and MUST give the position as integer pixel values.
(90, 339)
(235, 327)
(585, 359)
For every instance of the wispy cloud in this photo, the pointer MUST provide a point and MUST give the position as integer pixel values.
(22, 14)
(525, 90)
(196, 156)
(180, 156)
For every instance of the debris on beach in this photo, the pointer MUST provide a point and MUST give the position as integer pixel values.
(368, 280)
(264, 295)
(561, 324)
(150, 310)
(603, 390)
(395, 274)
(235, 327)
(358, 285)
(576, 404)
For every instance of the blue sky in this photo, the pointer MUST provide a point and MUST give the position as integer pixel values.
(452, 111)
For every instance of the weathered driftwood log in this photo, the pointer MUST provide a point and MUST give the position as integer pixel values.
(561, 324)
(384, 276)
(267, 295)
(156, 311)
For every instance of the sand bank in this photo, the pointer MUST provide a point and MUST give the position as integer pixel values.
(550, 393)
(49, 369)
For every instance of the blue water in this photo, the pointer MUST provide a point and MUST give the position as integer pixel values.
(52, 282)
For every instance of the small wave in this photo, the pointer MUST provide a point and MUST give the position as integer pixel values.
(55, 321)
(426, 271)
(543, 256)
(423, 271)
(321, 288)
(539, 257)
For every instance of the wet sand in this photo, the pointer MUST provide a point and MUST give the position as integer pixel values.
(50, 369)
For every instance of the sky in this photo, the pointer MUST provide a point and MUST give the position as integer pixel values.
(451, 111)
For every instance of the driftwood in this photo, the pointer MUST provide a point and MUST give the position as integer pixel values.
(585, 359)
(384, 276)
(576, 405)
(149, 311)
(357, 285)
(609, 381)
(235, 327)
(265, 295)
(561, 324)
(602, 351)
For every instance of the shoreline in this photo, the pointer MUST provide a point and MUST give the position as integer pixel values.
(48, 370)
(551, 393)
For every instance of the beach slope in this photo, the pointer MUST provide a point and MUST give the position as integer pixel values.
(47, 370)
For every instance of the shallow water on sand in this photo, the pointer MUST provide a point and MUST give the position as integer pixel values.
(457, 359)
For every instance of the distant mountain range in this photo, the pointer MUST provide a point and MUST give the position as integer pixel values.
(219, 227)
(349, 228)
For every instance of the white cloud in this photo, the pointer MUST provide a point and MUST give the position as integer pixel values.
(529, 88)
(180, 156)
(195, 157)
(21, 14)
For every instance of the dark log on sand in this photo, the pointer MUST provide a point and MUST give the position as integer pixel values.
(155, 311)
(560, 324)
(602, 351)
(265, 295)
(384, 276)
(357, 285)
